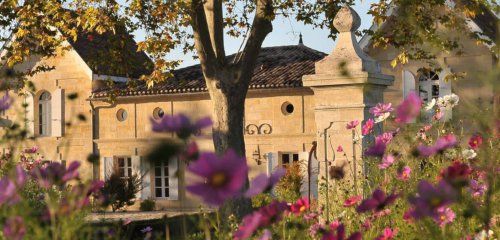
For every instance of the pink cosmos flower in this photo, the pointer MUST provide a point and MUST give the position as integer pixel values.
(263, 217)
(409, 109)
(266, 235)
(31, 150)
(385, 137)
(191, 152)
(377, 202)
(430, 198)
(14, 228)
(223, 177)
(457, 173)
(444, 215)
(337, 232)
(352, 124)
(387, 161)
(438, 116)
(381, 108)
(387, 234)
(8, 192)
(377, 149)
(476, 188)
(56, 174)
(340, 149)
(475, 141)
(300, 206)
(181, 125)
(263, 183)
(443, 143)
(367, 127)
(352, 200)
(404, 173)
(5, 102)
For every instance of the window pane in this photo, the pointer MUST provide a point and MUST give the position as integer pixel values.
(129, 160)
(166, 182)
(165, 172)
(157, 172)
(129, 172)
(122, 172)
(295, 157)
(158, 192)
(285, 158)
(167, 194)
(121, 162)
(157, 182)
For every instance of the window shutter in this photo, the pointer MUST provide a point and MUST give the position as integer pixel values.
(107, 168)
(408, 83)
(136, 169)
(146, 179)
(445, 89)
(272, 162)
(30, 114)
(173, 179)
(57, 113)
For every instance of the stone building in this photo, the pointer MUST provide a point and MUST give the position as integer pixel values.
(295, 94)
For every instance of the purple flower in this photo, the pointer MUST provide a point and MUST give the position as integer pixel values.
(266, 235)
(404, 173)
(409, 109)
(381, 109)
(377, 149)
(387, 234)
(385, 137)
(8, 192)
(263, 183)
(147, 229)
(181, 125)
(31, 150)
(441, 144)
(223, 177)
(263, 217)
(377, 202)
(336, 231)
(367, 127)
(56, 174)
(352, 124)
(5, 102)
(476, 188)
(444, 215)
(14, 228)
(430, 199)
(387, 161)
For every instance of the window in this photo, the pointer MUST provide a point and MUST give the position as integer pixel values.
(44, 114)
(121, 115)
(158, 113)
(124, 166)
(428, 84)
(161, 180)
(287, 108)
(289, 158)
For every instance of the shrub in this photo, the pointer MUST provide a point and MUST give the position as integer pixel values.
(119, 191)
(288, 188)
(148, 205)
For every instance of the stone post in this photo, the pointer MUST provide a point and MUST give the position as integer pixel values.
(346, 85)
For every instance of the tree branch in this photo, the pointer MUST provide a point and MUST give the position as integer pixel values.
(261, 27)
(202, 41)
(214, 15)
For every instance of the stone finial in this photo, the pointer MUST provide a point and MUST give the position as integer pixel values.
(347, 57)
(347, 20)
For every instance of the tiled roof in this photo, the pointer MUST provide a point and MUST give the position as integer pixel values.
(277, 67)
(487, 22)
(112, 54)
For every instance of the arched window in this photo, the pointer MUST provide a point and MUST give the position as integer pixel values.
(44, 114)
(428, 84)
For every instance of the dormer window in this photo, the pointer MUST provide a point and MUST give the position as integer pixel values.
(428, 84)
(44, 114)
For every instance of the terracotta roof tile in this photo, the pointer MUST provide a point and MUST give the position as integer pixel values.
(277, 67)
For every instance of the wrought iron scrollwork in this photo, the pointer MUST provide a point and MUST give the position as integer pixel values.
(252, 129)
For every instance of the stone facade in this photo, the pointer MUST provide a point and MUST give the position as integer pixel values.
(282, 120)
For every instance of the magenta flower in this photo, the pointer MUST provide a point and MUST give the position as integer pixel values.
(340, 148)
(409, 109)
(377, 149)
(300, 206)
(8, 192)
(14, 228)
(263, 183)
(385, 137)
(223, 177)
(381, 109)
(438, 116)
(387, 161)
(266, 235)
(352, 124)
(337, 232)
(31, 150)
(190, 153)
(456, 174)
(444, 215)
(367, 128)
(181, 125)
(56, 174)
(387, 234)
(441, 144)
(5, 102)
(476, 188)
(430, 199)
(263, 217)
(404, 173)
(352, 200)
(377, 202)
(475, 141)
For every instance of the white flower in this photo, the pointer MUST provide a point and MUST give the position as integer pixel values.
(469, 154)
(430, 105)
(441, 102)
(483, 235)
(452, 100)
(382, 117)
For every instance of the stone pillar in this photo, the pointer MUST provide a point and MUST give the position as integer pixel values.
(346, 85)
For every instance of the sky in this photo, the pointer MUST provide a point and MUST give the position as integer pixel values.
(285, 32)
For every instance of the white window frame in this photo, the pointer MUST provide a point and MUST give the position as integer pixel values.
(164, 176)
(291, 158)
(127, 166)
(44, 115)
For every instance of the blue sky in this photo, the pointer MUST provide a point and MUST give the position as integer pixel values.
(285, 32)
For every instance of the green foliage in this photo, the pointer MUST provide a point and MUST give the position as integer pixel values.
(288, 188)
(147, 205)
(119, 191)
